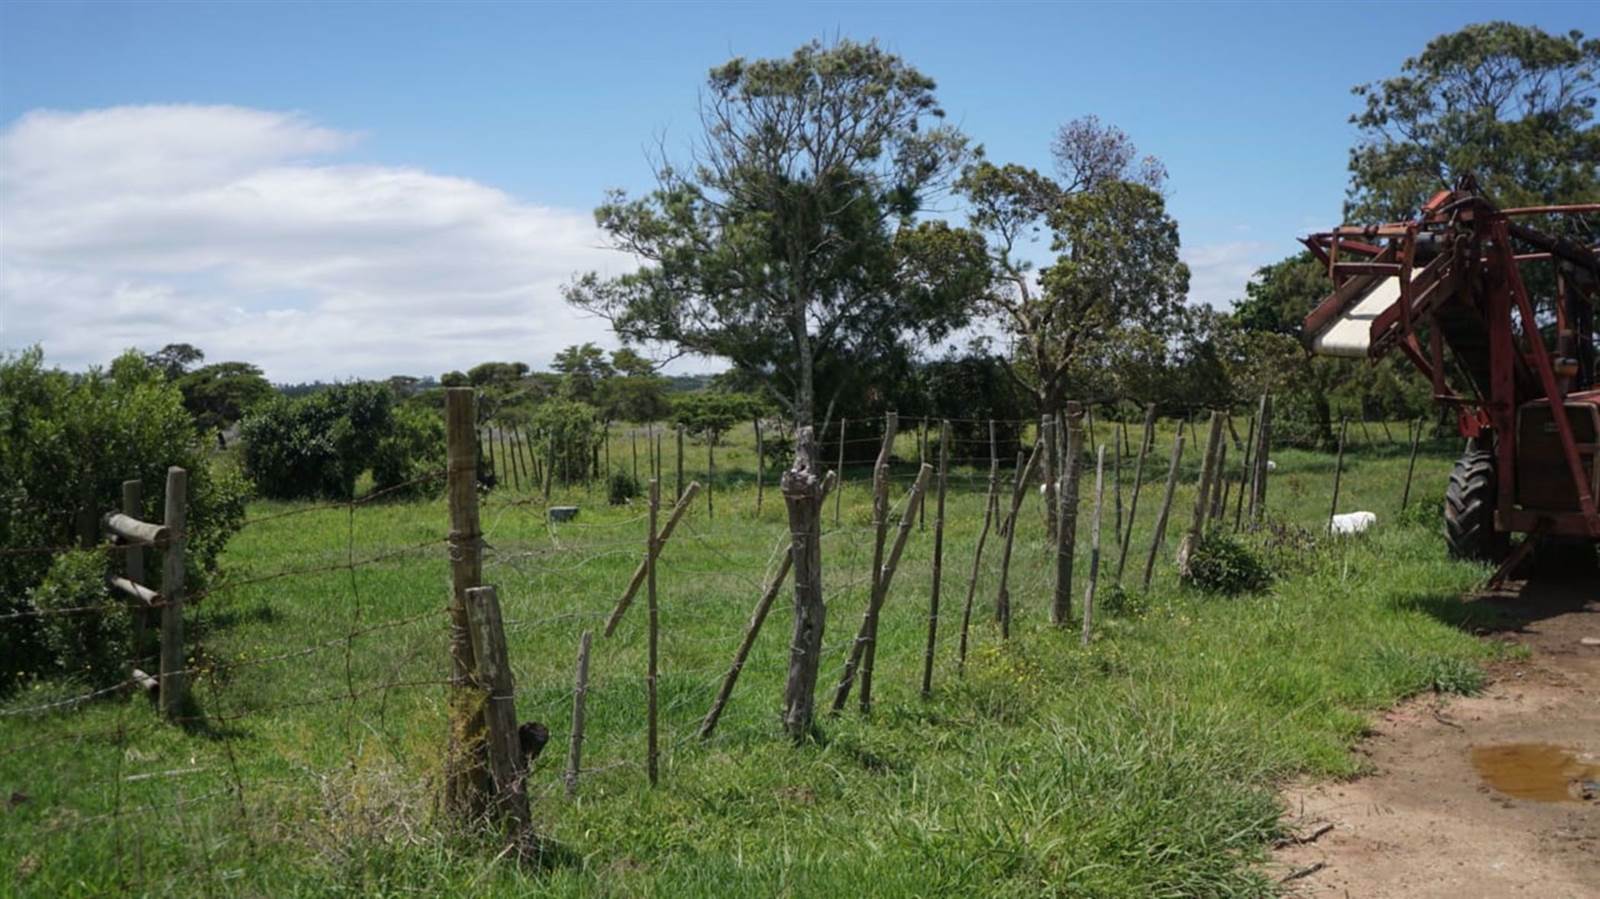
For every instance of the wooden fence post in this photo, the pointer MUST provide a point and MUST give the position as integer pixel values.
(679, 484)
(922, 459)
(1094, 542)
(1116, 480)
(1411, 466)
(642, 572)
(938, 559)
(1145, 443)
(580, 697)
(1338, 472)
(1202, 499)
(839, 497)
(511, 460)
(802, 496)
(550, 462)
(977, 556)
(1258, 482)
(757, 618)
(1067, 524)
(652, 552)
(488, 447)
(502, 748)
(1245, 469)
(761, 464)
(1166, 509)
(711, 475)
(174, 680)
(1052, 468)
(864, 651)
(466, 778)
(1003, 597)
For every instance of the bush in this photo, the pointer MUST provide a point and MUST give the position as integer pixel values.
(1220, 564)
(413, 451)
(622, 487)
(566, 433)
(1424, 511)
(317, 445)
(91, 645)
(67, 442)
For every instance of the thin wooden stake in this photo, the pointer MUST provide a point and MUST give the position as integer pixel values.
(1003, 597)
(1258, 482)
(1245, 469)
(580, 697)
(1067, 515)
(761, 464)
(1052, 468)
(1166, 510)
(977, 556)
(678, 486)
(1145, 443)
(1411, 466)
(642, 572)
(1116, 480)
(488, 446)
(652, 551)
(711, 475)
(1094, 542)
(938, 559)
(922, 459)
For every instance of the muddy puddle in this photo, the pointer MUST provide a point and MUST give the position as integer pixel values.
(1544, 772)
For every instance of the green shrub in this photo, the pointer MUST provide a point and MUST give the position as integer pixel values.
(565, 435)
(1221, 564)
(407, 458)
(622, 487)
(1424, 511)
(67, 442)
(88, 645)
(317, 445)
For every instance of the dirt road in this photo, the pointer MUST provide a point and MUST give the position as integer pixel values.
(1425, 823)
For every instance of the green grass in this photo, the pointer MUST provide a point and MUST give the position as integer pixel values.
(1144, 764)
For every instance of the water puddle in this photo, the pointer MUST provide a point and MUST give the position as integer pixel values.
(1540, 771)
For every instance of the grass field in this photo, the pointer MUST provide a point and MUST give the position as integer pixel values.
(1141, 765)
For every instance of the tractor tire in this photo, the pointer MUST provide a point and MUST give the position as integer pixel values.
(1469, 509)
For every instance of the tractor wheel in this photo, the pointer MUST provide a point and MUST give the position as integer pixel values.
(1469, 509)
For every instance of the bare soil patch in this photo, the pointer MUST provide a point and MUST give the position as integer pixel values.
(1424, 823)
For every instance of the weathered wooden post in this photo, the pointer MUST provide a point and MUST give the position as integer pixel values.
(1067, 526)
(1202, 500)
(642, 572)
(652, 551)
(802, 497)
(761, 465)
(503, 748)
(1094, 543)
(977, 556)
(1145, 442)
(1116, 480)
(580, 698)
(1338, 472)
(1019, 490)
(1052, 474)
(938, 559)
(1411, 466)
(1245, 470)
(1258, 483)
(174, 679)
(922, 459)
(679, 484)
(466, 778)
(1166, 509)
(711, 474)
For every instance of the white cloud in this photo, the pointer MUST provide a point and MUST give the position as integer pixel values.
(238, 231)
(1219, 271)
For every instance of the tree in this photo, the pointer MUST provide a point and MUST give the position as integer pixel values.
(175, 358)
(709, 416)
(221, 394)
(582, 368)
(1512, 104)
(790, 241)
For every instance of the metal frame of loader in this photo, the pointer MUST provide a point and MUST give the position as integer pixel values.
(1457, 259)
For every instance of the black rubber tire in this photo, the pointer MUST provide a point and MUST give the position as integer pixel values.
(1469, 509)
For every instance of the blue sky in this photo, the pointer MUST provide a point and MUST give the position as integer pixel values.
(522, 114)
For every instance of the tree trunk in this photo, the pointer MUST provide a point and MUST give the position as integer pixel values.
(802, 495)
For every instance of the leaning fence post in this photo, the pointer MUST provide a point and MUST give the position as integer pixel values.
(1166, 509)
(1067, 523)
(1411, 466)
(938, 559)
(580, 697)
(503, 749)
(1094, 542)
(174, 680)
(1003, 597)
(466, 779)
(977, 556)
(1258, 484)
(1202, 499)
(1338, 473)
(1138, 484)
(640, 573)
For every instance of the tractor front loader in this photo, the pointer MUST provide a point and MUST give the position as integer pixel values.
(1499, 317)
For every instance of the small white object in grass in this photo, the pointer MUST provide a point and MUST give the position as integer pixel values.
(1353, 522)
(1271, 465)
(1590, 641)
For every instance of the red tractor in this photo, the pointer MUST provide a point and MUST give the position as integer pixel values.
(1499, 317)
